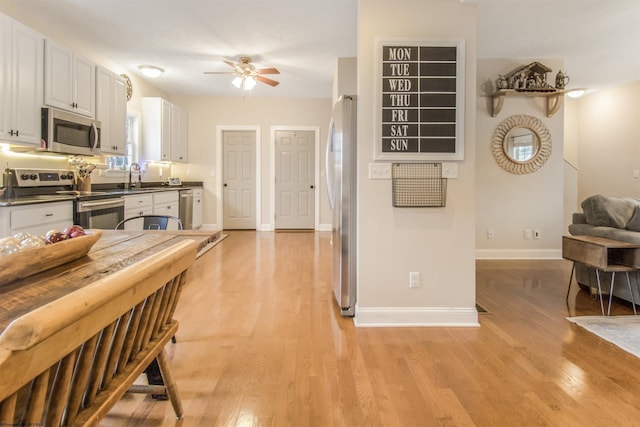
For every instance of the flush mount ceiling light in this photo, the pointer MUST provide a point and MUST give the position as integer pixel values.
(151, 71)
(576, 93)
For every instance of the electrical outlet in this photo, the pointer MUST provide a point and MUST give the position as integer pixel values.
(414, 279)
(490, 233)
(536, 233)
(527, 233)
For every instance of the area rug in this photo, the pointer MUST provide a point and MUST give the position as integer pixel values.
(622, 331)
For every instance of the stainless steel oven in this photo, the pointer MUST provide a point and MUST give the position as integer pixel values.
(100, 212)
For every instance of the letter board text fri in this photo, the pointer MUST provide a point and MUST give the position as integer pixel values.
(419, 96)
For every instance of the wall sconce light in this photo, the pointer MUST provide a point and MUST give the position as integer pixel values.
(151, 71)
(576, 93)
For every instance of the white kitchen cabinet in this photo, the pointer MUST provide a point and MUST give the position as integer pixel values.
(35, 219)
(164, 130)
(111, 110)
(178, 134)
(69, 80)
(156, 129)
(139, 204)
(136, 205)
(21, 82)
(166, 203)
(196, 221)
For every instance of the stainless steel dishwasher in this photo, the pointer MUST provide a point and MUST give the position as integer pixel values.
(186, 209)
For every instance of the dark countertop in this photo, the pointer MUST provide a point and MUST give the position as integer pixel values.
(100, 190)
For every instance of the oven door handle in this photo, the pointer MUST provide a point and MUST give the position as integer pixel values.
(116, 202)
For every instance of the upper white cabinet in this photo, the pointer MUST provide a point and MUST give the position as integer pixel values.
(164, 127)
(111, 110)
(69, 80)
(156, 129)
(21, 56)
(178, 134)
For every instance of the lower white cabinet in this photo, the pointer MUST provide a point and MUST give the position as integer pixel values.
(35, 219)
(136, 205)
(167, 203)
(197, 208)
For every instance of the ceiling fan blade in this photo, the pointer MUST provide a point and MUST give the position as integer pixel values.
(267, 81)
(268, 71)
(229, 63)
(220, 72)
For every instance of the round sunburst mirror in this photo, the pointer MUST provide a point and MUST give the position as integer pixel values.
(521, 144)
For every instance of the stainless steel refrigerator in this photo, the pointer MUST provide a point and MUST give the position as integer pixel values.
(341, 187)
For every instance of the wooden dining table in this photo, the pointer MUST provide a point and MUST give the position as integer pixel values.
(114, 251)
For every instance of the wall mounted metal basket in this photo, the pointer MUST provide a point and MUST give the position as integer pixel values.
(418, 185)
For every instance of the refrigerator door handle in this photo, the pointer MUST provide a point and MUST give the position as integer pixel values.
(328, 166)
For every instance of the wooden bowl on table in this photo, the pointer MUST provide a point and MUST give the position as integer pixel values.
(28, 262)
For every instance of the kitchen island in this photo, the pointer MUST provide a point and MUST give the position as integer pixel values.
(75, 337)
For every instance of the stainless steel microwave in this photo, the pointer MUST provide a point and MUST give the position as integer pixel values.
(69, 133)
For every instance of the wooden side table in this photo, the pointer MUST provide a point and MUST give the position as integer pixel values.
(605, 255)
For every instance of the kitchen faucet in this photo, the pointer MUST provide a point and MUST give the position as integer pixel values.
(135, 166)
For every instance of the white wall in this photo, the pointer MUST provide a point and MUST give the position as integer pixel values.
(609, 142)
(436, 242)
(571, 168)
(510, 203)
(207, 113)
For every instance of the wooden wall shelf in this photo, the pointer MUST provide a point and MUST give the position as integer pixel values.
(554, 99)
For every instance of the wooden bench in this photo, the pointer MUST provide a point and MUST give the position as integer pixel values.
(69, 361)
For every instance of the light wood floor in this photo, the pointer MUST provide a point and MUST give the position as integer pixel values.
(261, 344)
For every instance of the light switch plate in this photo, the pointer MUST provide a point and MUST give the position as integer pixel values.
(449, 170)
(379, 170)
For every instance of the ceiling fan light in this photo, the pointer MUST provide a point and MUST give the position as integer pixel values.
(237, 82)
(151, 71)
(249, 83)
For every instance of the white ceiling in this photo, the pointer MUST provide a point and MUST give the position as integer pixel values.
(599, 40)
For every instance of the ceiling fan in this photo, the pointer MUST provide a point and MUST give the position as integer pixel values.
(247, 74)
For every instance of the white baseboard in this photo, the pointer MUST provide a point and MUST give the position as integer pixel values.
(393, 317)
(518, 253)
(324, 227)
(209, 227)
(265, 227)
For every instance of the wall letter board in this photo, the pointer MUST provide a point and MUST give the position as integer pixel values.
(419, 100)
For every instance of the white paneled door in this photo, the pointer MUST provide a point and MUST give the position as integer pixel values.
(239, 180)
(295, 179)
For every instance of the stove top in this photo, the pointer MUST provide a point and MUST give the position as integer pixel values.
(42, 177)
